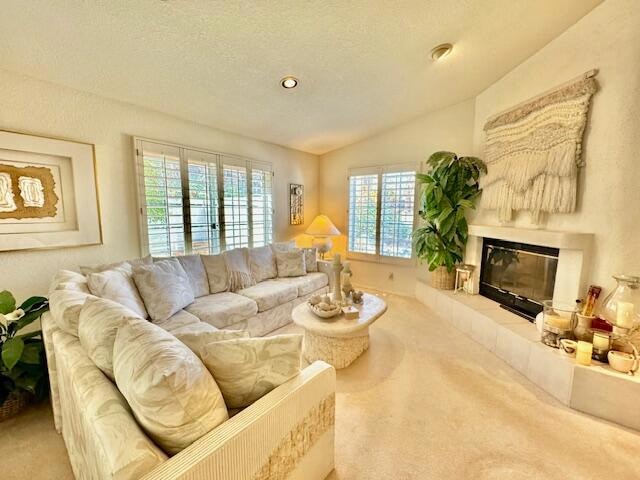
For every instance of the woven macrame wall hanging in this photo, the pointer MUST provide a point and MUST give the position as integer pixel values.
(533, 152)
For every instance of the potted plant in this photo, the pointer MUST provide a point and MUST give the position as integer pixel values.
(22, 360)
(448, 189)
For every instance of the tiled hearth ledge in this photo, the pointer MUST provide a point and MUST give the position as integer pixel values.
(597, 390)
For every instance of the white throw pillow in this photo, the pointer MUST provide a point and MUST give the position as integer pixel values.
(198, 340)
(311, 259)
(172, 395)
(194, 267)
(291, 264)
(68, 280)
(164, 287)
(65, 306)
(217, 273)
(117, 285)
(237, 261)
(284, 246)
(99, 322)
(262, 263)
(245, 369)
(127, 264)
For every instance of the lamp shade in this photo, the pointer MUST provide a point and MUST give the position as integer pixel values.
(322, 227)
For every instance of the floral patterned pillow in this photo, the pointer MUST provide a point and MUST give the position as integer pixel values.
(217, 273)
(311, 259)
(164, 287)
(291, 264)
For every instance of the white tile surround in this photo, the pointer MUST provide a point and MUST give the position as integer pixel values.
(597, 390)
(574, 248)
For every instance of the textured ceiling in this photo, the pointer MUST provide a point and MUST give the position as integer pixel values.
(363, 65)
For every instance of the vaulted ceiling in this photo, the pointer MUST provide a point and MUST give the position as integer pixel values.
(363, 65)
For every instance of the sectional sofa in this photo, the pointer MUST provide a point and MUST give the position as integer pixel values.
(288, 433)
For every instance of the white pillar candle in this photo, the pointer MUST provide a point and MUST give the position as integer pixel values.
(583, 353)
(563, 323)
(625, 313)
(601, 341)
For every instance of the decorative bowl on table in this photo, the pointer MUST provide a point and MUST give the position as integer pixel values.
(323, 307)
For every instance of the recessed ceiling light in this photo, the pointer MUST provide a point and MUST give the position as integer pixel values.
(289, 82)
(441, 51)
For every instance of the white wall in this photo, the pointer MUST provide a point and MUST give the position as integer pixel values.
(608, 39)
(42, 108)
(447, 129)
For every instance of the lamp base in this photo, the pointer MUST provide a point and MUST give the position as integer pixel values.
(323, 244)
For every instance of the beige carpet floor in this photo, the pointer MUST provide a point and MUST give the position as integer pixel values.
(425, 402)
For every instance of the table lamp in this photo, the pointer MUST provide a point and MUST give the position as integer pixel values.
(322, 229)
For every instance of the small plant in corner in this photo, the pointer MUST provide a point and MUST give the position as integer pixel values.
(22, 360)
(448, 189)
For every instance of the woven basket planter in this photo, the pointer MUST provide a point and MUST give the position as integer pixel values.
(442, 279)
(14, 403)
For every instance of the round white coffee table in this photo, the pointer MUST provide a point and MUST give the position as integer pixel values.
(338, 341)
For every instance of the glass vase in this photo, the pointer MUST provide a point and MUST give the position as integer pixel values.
(622, 305)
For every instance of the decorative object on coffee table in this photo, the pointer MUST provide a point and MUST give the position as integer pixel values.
(337, 287)
(48, 196)
(338, 341)
(22, 362)
(448, 189)
(296, 204)
(347, 288)
(322, 229)
(356, 296)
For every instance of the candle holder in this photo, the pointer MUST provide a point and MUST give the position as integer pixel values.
(620, 308)
(559, 319)
(464, 275)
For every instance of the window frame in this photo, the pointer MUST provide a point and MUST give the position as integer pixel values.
(220, 160)
(380, 170)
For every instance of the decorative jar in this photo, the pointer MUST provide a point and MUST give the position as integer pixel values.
(559, 320)
(622, 305)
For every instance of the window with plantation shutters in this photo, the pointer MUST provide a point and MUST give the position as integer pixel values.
(196, 201)
(381, 212)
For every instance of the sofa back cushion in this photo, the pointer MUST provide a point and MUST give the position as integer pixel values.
(237, 261)
(245, 369)
(117, 285)
(127, 264)
(99, 322)
(194, 267)
(68, 280)
(291, 264)
(262, 262)
(217, 273)
(284, 246)
(311, 259)
(172, 395)
(164, 287)
(65, 306)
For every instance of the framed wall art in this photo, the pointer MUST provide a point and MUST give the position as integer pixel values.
(296, 204)
(48, 196)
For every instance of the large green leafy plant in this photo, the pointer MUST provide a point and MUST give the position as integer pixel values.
(449, 188)
(22, 359)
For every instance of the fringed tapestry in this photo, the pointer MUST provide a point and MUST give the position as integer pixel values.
(533, 153)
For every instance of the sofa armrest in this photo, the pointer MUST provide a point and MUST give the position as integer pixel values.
(49, 327)
(288, 433)
(326, 266)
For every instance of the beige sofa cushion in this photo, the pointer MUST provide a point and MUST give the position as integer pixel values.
(270, 294)
(311, 259)
(117, 285)
(307, 283)
(262, 263)
(217, 273)
(248, 368)
(284, 246)
(65, 306)
(194, 267)
(198, 341)
(164, 287)
(172, 395)
(291, 264)
(180, 319)
(99, 322)
(128, 264)
(68, 280)
(237, 261)
(223, 309)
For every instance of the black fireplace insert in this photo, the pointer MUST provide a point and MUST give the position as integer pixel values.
(518, 276)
